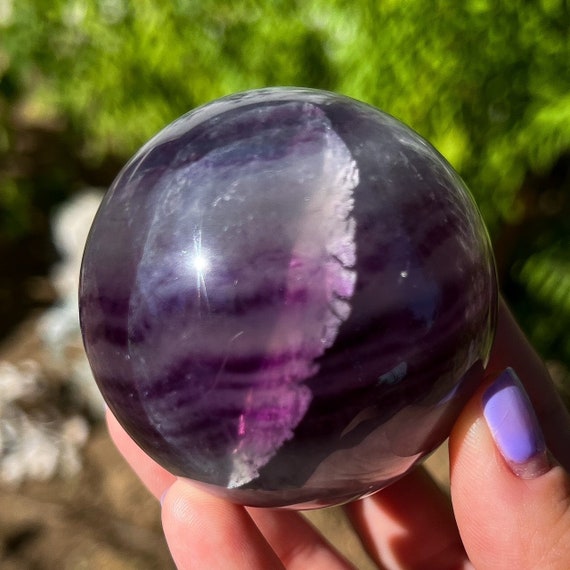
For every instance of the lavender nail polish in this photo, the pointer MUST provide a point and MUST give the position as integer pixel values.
(514, 426)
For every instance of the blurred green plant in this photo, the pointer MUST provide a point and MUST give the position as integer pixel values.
(487, 82)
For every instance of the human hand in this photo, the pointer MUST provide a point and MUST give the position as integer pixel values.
(508, 510)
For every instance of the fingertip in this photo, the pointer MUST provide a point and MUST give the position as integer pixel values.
(511, 505)
(203, 531)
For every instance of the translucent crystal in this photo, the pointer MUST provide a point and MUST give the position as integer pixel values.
(288, 295)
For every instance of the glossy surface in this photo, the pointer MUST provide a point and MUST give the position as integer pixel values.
(288, 296)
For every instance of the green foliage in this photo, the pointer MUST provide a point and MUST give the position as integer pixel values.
(487, 82)
(547, 276)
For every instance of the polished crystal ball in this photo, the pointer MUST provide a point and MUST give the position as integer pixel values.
(288, 296)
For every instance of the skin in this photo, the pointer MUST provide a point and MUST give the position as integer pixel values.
(495, 519)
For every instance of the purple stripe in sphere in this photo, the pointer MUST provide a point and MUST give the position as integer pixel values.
(288, 296)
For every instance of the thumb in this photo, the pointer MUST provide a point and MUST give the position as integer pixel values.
(512, 505)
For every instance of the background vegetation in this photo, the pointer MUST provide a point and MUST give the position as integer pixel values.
(83, 83)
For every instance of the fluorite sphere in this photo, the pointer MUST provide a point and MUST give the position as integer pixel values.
(288, 295)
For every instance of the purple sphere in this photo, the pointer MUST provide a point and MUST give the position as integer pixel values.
(288, 296)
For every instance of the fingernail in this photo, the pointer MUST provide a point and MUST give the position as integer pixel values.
(514, 426)
(163, 496)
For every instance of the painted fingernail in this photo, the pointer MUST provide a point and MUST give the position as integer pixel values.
(514, 426)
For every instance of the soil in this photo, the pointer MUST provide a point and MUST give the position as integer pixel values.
(100, 519)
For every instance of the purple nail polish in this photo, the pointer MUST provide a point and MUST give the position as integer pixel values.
(514, 426)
